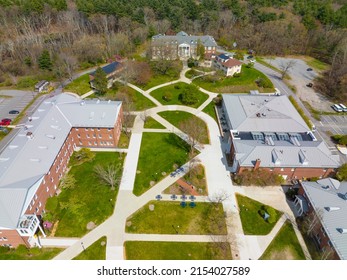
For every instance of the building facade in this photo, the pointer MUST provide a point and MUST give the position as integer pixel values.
(181, 46)
(267, 132)
(227, 64)
(32, 165)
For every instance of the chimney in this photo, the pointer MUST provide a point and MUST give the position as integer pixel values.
(257, 164)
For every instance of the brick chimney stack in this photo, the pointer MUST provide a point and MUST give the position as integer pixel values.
(257, 164)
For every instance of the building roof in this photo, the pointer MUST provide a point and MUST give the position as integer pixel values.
(29, 156)
(109, 68)
(231, 62)
(284, 153)
(183, 38)
(331, 204)
(223, 56)
(261, 113)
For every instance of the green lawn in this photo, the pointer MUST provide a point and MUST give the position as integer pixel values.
(160, 154)
(80, 85)
(140, 101)
(316, 64)
(152, 123)
(252, 222)
(285, 246)
(157, 79)
(178, 117)
(168, 217)
(145, 250)
(242, 84)
(210, 110)
(96, 251)
(23, 253)
(124, 140)
(89, 200)
(171, 94)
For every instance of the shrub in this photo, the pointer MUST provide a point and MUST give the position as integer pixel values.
(22, 249)
(272, 214)
(261, 213)
(188, 97)
(4, 249)
(264, 83)
(83, 155)
(167, 96)
(237, 75)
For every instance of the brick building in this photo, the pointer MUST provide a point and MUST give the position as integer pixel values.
(35, 160)
(325, 204)
(267, 132)
(180, 46)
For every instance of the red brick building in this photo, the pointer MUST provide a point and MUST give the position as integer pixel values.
(324, 206)
(35, 160)
(266, 132)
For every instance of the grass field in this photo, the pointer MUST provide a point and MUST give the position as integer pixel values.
(170, 95)
(178, 117)
(160, 154)
(80, 85)
(210, 110)
(140, 101)
(252, 222)
(242, 84)
(23, 253)
(285, 246)
(89, 200)
(96, 251)
(152, 123)
(143, 250)
(168, 217)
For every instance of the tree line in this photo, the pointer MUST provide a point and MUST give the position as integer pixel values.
(82, 33)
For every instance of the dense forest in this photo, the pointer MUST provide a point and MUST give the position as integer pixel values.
(60, 36)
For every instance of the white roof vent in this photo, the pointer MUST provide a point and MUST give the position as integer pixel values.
(50, 136)
(303, 157)
(342, 230)
(91, 116)
(43, 147)
(4, 159)
(330, 209)
(82, 103)
(12, 147)
(35, 160)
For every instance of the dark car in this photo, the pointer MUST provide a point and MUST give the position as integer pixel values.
(250, 56)
(309, 85)
(14, 112)
(309, 69)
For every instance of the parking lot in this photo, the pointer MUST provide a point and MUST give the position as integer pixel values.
(334, 123)
(13, 100)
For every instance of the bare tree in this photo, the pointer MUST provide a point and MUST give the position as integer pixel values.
(67, 182)
(311, 221)
(144, 116)
(285, 67)
(128, 107)
(194, 132)
(111, 174)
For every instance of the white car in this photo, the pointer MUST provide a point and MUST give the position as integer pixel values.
(277, 91)
(252, 60)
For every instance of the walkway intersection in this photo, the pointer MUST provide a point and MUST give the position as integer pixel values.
(218, 181)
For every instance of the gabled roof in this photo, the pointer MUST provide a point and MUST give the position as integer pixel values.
(329, 201)
(223, 56)
(284, 154)
(184, 38)
(33, 150)
(262, 113)
(231, 62)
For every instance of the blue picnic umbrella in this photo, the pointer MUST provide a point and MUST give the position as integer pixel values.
(183, 204)
(192, 204)
(192, 197)
(158, 197)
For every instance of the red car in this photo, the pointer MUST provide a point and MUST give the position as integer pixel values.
(5, 122)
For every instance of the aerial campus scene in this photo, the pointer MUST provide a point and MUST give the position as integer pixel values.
(173, 130)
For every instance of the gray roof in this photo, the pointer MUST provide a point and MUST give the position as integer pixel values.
(29, 156)
(329, 201)
(284, 154)
(183, 38)
(262, 113)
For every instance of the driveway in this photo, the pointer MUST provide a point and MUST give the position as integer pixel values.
(300, 77)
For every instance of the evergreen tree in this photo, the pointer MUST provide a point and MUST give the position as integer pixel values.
(100, 81)
(44, 61)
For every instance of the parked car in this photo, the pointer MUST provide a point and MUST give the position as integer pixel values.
(6, 120)
(309, 85)
(13, 112)
(277, 92)
(309, 69)
(250, 57)
(337, 108)
(3, 123)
